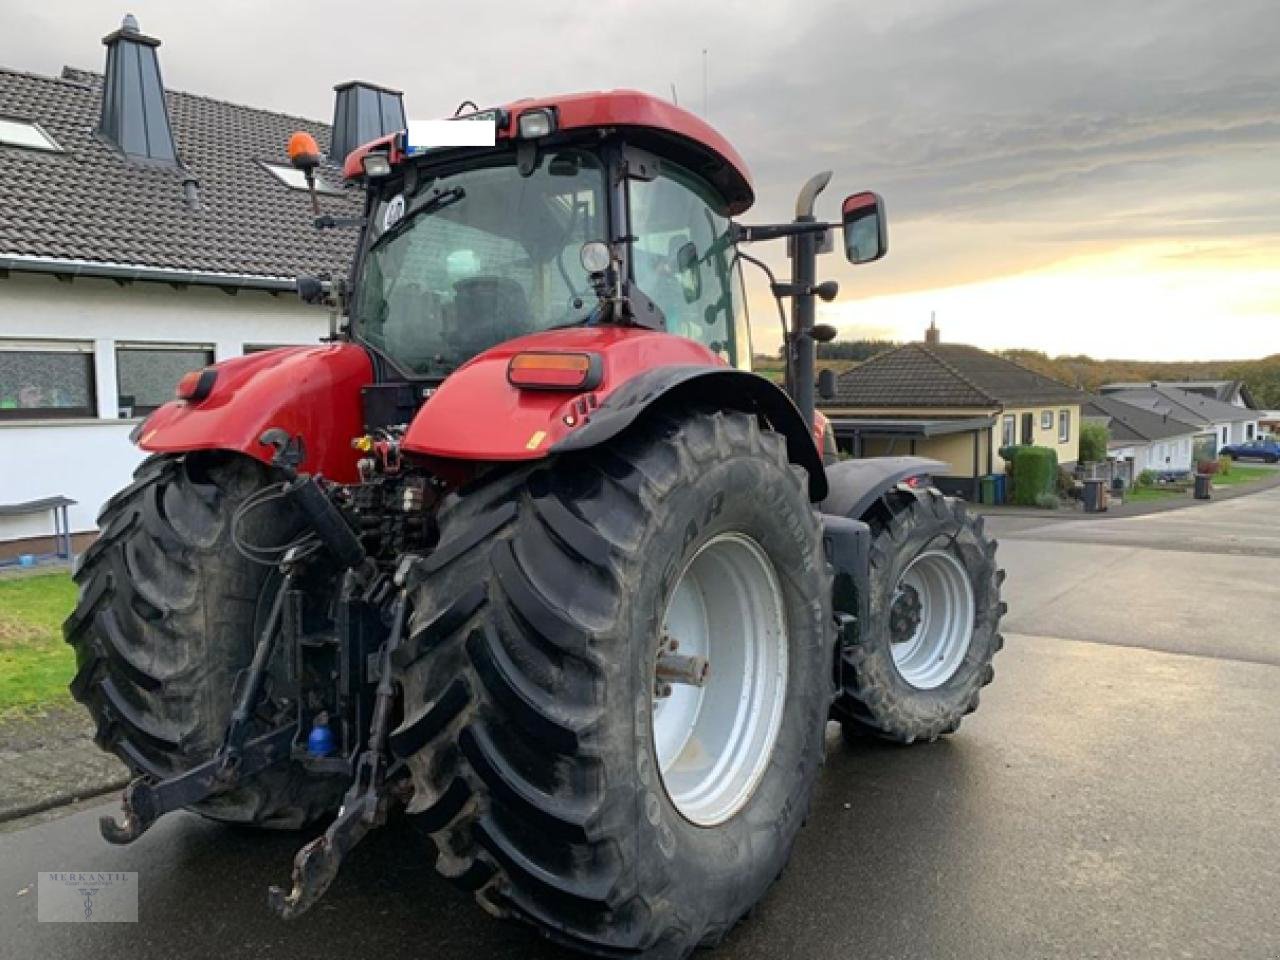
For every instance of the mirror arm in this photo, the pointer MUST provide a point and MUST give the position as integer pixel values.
(775, 231)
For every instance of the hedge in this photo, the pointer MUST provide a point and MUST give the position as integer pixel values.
(1036, 470)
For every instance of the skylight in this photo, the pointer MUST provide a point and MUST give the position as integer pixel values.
(24, 133)
(292, 177)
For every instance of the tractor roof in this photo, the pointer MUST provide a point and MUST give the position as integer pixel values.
(658, 126)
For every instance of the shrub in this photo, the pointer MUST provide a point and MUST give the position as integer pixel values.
(1048, 501)
(1036, 470)
(1147, 478)
(1224, 465)
(1093, 442)
(1066, 483)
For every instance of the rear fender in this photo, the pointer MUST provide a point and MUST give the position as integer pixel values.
(725, 387)
(309, 392)
(478, 416)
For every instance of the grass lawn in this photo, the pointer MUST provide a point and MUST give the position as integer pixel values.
(1148, 494)
(1241, 474)
(35, 664)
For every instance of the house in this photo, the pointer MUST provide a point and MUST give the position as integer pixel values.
(954, 403)
(144, 232)
(1218, 422)
(1234, 392)
(1141, 439)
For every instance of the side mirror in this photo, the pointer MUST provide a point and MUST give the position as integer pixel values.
(827, 383)
(865, 238)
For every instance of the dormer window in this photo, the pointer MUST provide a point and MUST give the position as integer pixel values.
(25, 133)
(292, 177)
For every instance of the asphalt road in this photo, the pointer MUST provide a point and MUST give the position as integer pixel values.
(1115, 797)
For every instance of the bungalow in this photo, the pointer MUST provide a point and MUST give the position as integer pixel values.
(954, 403)
(145, 232)
(1218, 422)
(1140, 439)
(1234, 392)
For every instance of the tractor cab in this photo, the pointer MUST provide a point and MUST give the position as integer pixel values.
(468, 247)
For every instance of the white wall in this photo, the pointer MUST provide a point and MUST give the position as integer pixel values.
(1152, 456)
(88, 460)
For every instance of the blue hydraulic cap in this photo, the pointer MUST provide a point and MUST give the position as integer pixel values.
(320, 741)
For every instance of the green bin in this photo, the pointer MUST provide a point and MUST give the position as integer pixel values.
(987, 492)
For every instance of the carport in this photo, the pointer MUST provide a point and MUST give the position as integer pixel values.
(910, 435)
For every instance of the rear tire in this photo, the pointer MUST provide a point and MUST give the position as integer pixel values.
(529, 685)
(935, 609)
(167, 618)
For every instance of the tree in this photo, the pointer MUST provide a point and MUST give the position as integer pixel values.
(1093, 442)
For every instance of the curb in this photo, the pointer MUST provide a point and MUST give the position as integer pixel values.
(64, 799)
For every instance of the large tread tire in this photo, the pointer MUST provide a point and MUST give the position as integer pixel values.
(876, 700)
(165, 622)
(528, 681)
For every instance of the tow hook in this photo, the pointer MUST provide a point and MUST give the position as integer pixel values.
(367, 801)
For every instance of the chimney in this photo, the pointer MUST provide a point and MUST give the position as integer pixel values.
(134, 117)
(933, 335)
(363, 112)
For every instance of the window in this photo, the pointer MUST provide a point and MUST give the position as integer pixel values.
(1064, 426)
(1248, 431)
(1224, 435)
(496, 258)
(147, 373)
(42, 380)
(1046, 419)
(1007, 428)
(294, 178)
(682, 259)
(23, 133)
(1028, 429)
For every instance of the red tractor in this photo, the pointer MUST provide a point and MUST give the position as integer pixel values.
(527, 549)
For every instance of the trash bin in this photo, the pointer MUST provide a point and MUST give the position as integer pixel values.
(987, 492)
(1203, 486)
(1095, 497)
(1002, 487)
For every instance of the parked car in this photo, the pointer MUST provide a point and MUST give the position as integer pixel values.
(1266, 448)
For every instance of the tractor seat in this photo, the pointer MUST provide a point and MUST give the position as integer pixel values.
(488, 310)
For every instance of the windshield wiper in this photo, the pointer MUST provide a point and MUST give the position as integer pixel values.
(434, 204)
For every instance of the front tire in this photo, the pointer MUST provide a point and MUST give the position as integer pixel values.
(529, 684)
(935, 608)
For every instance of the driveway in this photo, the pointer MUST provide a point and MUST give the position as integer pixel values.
(1115, 797)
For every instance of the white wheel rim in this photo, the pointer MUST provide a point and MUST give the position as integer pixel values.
(713, 742)
(931, 619)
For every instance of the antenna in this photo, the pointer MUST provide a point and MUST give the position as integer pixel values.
(674, 99)
(704, 83)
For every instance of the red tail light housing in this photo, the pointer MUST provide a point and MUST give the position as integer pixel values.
(553, 370)
(196, 385)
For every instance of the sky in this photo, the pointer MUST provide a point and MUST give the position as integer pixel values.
(1099, 176)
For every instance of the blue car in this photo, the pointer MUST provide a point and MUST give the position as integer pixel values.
(1263, 449)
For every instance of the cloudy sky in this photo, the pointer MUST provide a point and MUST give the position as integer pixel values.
(1097, 176)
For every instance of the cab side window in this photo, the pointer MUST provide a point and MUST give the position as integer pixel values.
(683, 260)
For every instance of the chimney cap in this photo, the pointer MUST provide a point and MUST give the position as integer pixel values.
(130, 30)
(346, 84)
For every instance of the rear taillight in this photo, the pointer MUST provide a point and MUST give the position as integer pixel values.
(554, 371)
(196, 385)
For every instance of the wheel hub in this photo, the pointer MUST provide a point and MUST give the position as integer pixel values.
(931, 619)
(718, 702)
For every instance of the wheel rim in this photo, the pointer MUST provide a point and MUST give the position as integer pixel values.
(714, 741)
(931, 619)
